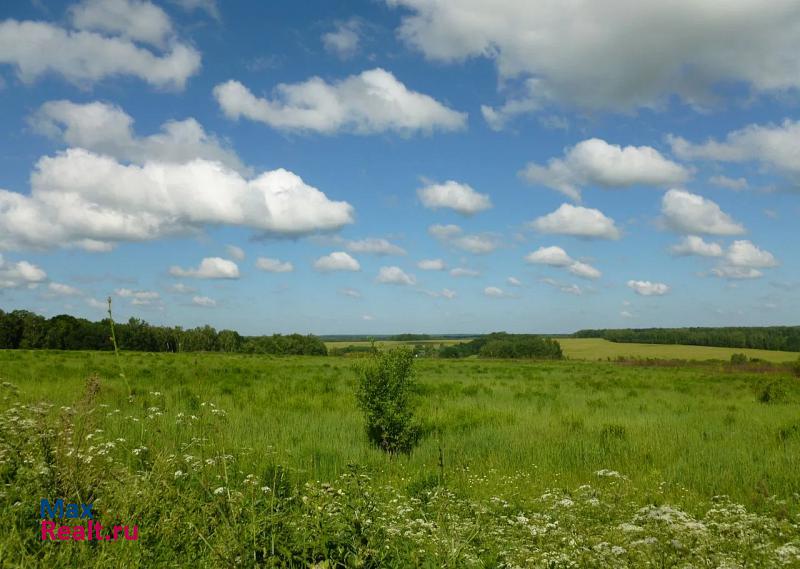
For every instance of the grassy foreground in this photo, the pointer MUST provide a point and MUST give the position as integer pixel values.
(235, 460)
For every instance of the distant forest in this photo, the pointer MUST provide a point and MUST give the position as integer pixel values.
(784, 338)
(22, 329)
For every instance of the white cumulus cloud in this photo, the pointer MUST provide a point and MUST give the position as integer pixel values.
(647, 288)
(371, 102)
(577, 221)
(204, 301)
(595, 162)
(20, 273)
(464, 272)
(773, 146)
(84, 57)
(343, 41)
(336, 261)
(617, 55)
(552, 256)
(395, 275)
(461, 198)
(685, 212)
(209, 268)
(274, 265)
(79, 198)
(107, 129)
(375, 246)
(694, 245)
(431, 265)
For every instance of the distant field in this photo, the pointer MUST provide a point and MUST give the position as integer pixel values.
(599, 349)
(443, 342)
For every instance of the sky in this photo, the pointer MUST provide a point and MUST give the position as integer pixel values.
(387, 166)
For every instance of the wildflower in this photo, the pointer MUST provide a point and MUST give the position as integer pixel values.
(220, 490)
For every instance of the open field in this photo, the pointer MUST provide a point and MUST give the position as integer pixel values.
(600, 349)
(237, 460)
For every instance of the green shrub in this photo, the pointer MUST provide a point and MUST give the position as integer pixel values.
(738, 359)
(385, 387)
(796, 368)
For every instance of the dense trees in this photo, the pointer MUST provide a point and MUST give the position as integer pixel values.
(503, 345)
(26, 330)
(786, 338)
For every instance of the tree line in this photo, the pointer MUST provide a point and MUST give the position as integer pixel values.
(21, 329)
(503, 345)
(783, 338)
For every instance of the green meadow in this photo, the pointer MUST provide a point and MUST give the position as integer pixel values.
(244, 460)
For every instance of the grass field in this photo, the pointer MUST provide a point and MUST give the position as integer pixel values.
(236, 460)
(600, 349)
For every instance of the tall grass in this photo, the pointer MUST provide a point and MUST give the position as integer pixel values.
(576, 449)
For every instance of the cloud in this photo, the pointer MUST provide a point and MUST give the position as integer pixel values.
(395, 275)
(743, 260)
(565, 288)
(773, 146)
(735, 184)
(107, 129)
(210, 268)
(685, 212)
(138, 297)
(736, 273)
(577, 221)
(445, 293)
(444, 231)
(464, 272)
(647, 288)
(274, 265)
(85, 57)
(208, 6)
(557, 257)
(60, 289)
(496, 292)
(594, 162)
(513, 281)
(745, 254)
(336, 261)
(694, 245)
(344, 40)
(367, 317)
(552, 256)
(479, 244)
(79, 198)
(180, 288)
(616, 56)
(234, 252)
(21, 273)
(204, 301)
(431, 265)
(132, 19)
(584, 270)
(351, 292)
(453, 195)
(97, 304)
(375, 246)
(372, 102)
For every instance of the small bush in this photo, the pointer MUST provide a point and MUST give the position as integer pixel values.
(385, 388)
(738, 359)
(771, 392)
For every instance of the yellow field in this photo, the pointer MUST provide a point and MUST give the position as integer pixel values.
(597, 348)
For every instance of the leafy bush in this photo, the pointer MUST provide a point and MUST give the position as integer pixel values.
(738, 359)
(771, 392)
(385, 388)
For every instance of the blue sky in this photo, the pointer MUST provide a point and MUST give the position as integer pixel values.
(272, 167)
